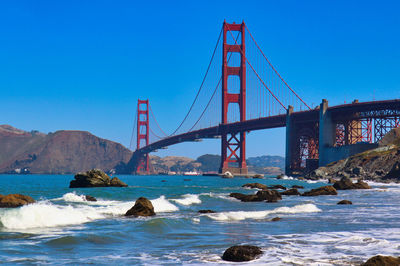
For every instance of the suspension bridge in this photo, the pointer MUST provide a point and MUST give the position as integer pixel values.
(241, 91)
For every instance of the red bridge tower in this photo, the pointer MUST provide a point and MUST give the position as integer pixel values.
(143, 134)
(233, 144)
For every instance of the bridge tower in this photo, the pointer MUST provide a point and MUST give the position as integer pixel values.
(142, 134)
(233, 144)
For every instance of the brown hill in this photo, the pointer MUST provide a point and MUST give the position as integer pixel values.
(58, 153)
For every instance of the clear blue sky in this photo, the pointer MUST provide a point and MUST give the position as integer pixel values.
(83, 64)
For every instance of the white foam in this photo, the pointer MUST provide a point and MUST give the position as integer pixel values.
(188, 199)
(242, 215)
(163, 205)
(73, 197)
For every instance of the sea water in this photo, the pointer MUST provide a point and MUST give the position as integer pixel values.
(63, 228)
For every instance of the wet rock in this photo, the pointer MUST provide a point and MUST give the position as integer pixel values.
(291, 192)
(95, 178)
(116, 182)
(382, 261)
(90, 198)
(345, 183)
(331, 180)
(275, 219)
(297, 186)
(345, 202)
(206, 211)
(277, 187)
(187, 179)
(227, 174)
(142, 207)
(242, 253)
(163, 180)
(15, 200)
(258, 176)
(268, 195)
(325, 190)
(255, 185)
(280, 176)
(244, 197)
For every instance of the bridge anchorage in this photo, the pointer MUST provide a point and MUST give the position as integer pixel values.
(240, 92)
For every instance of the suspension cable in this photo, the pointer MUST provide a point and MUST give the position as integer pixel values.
(275, 69)
(133, 130)
(158, 125)
(201, 86)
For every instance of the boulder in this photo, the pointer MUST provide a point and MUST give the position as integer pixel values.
(242, 253)
(357, 170)
(15, 200)
(345, 183)
(258, 176)
(244, 197)
(90, 198)
(275, 219)
(142, 207)
(255, 185)
(116, 182)
(227, 174)
(382, 261)
(277, 187)
(331, 180)
(325, 190)
(394, 173)
(280, 176)
(345, 202)
(297, 186)
(95, 178)
(291, 192)
(268, 195)
(206, 211)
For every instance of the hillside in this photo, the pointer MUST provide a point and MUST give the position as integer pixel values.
(381, 164)
(58, 153)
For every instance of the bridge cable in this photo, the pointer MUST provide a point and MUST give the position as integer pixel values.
(255, 72)
(158, 125)
(201, 86)
(275, 69)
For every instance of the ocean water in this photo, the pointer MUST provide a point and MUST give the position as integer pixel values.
(62, 228)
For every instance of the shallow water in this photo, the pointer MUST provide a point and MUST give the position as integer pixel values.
(63, 228)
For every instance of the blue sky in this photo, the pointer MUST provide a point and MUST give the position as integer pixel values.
(83, 64)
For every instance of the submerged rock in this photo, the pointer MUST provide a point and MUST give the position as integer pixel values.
(255, 185)
(382, 261)
(142, 207)
(242, 253)
(326, 190)
(90, 198)
(345, 183)
(258, 176)
(297, 186)
(277, 187)
(206, 211)
(269, 195)
(345, 202)
(15, 200)
(291, 192)
(275, 219)
(95, 178)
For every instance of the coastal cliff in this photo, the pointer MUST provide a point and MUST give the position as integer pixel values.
(380, 164)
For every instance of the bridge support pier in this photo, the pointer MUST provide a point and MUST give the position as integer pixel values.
(327, 133)
(290, 145)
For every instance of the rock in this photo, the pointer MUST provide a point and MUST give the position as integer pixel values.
(331, 180)
(345, 202)
(291, 192)
(95, 178)
(268, 195)
(345, 183)
(277, 187)
(90, 198)
(227, 174)
(258, 176)
(357, 170)
(275, 219)
(394, 173)
(255, 185)
(300, 178)
(242, 253)
(187, 179)
(243, 197)
(142, 207)
(280, 176)
(15, 200)
(206, 211)
(115, 182)
(326, 190)
(163, 180)
(382, 261)
(297, 186)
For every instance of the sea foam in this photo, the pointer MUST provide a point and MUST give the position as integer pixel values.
(188, 199)
(161, 204)
(242, 215)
